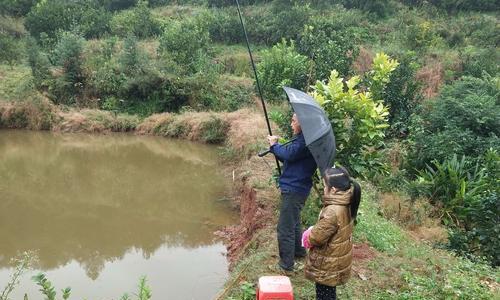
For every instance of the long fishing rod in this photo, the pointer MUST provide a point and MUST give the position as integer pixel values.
(265, 152)
(256, 79)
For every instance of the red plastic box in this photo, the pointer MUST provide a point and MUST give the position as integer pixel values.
(274, 288)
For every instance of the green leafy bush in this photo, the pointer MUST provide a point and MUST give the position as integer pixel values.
(214, 131)
(137, 21)
(282, 66)
(38, 62)
(422, 35)
(379, 8)
(9, 49)
(330, 49)
(289, 20)
(224, 26)
(402, 94)
(463, 120)
(51, 16)
(68, 86)
(453, 5)
(358, 122)
(477, 61)
(16, 7)
(184, 42)
(467, 195)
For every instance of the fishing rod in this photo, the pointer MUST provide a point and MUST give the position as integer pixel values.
(257, 81)
(265, 152)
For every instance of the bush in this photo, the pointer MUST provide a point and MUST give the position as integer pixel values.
(379, 8)
(453, 5)
(477, 61)
(288, 21)
(51, 16)
(10, 49)
(39, 63)
(467, 195)
(282, 66)
(463, 120)
(214, 131)
(422, 35)
(16, 7)
(224, 26)
(68, 87)
(137, 21)
(330, 49)
(224, 3)
(358, 123)
(401, 95)
(184, 42)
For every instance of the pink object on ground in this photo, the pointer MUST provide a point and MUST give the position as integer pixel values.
(274, 288)
(305, 238)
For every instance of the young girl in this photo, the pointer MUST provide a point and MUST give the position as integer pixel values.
(330, 240)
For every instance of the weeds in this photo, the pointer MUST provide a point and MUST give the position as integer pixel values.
(23, 263)
(47, 289)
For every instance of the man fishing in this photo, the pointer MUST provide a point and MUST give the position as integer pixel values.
(295, 184)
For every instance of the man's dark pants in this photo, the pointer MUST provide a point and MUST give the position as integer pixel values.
(290, 229)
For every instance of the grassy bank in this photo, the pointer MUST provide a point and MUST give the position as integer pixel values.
(389, 263)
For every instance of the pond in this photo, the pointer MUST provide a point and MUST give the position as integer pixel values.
(103, 210)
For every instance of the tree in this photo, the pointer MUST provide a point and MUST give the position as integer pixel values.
(9, 49)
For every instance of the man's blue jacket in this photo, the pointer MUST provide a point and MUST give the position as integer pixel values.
(299, 166)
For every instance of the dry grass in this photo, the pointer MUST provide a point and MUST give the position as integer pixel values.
(432, 76)
(363, 62)
(95, 121)
(414, 216)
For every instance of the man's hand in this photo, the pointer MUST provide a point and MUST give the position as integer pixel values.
(272, 139)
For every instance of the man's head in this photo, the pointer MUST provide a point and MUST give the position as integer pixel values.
(295, 124)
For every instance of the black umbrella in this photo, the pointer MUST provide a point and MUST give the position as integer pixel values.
(316, 127)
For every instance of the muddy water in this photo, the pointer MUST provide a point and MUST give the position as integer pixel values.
(102, 211)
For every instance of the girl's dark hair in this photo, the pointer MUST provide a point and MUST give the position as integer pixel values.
(340, 179)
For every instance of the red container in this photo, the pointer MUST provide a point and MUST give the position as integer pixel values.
(274, 288)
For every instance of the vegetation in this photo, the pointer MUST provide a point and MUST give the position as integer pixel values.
(420, 116)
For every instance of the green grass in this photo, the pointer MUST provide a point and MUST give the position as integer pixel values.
(14, 82)
(403, 268)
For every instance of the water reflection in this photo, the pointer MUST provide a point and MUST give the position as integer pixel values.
(93, 199)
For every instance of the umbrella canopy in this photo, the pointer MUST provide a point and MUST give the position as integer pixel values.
(316, 127)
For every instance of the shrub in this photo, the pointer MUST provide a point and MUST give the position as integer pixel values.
(379, 8)
(223, 3)
(184, 42)
(330, 49)
(16, 7)
(401, 95)
(358, 123)
(477, 61)
(282, 66)
(224, 26)
(214, 131)
(463, 120)
(289, 21)
(39, 63)
(118, 4)
(467, 195)
(51, 16)
(422, 35)
(9, 49)
(453, 6)
(67, 87)
(137, 21)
